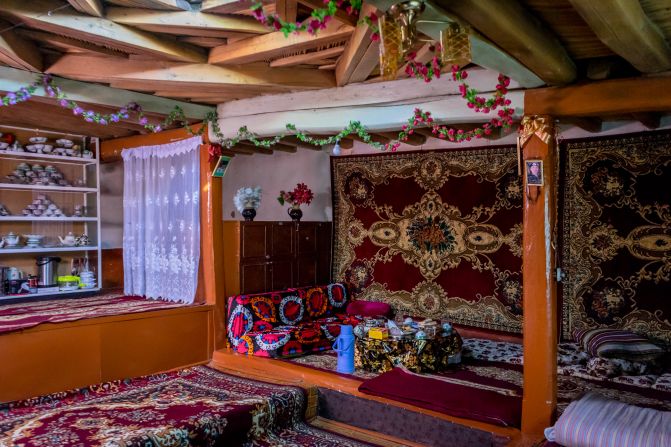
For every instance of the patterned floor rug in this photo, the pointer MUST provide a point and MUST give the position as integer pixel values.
(17, 316)
(194, 407)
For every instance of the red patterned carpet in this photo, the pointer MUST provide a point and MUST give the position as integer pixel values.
(14, 317)
(194, 407)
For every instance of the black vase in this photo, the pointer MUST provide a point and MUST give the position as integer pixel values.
(249, 214)
(295, 214)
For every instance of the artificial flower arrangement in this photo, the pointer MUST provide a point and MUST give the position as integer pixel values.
(247, 201)
(299, 196)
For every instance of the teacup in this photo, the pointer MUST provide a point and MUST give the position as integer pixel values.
(41, 207)
(37, 213)
(87, 154)
(4, 145)
(38, 139)
(69, 151)
(52, 206)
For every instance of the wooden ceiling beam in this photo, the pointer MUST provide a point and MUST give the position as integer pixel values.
(254, 149)
(164, 5)
(96, 30)
(649, 120)
(340, 15)
(165, 75)
(361, 54)
(207, 42)
(185, 23)
(589, 124)
(90, 7)
(414, 139)
(287, 10)
(376, 137)
(18, 52)
(625, 28)
(612, 97)
(307, 57)
(516, 30)
(12, 79)
(67, 44)
(345, 143)
(228, 6)
(273, 45)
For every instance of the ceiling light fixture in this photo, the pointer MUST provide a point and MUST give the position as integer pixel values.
(398, 35)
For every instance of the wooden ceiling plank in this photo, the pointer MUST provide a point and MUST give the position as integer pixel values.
(612, 97)
(273, 45)
(165, 75)
(512, 27)
(185, 23)
(284, 147)
(97, 30)
(341, 15)
(361, 54)
(68, 44)
(649, 120)
(165, 5)
(227, 6)
(625, 28)
(90, 7)
(376, 137)
(18, 52)
(485, 53)
(307, 57)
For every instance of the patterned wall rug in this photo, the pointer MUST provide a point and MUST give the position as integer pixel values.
(434, 233)
(617, 234)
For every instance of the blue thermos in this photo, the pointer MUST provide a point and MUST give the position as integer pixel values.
(344, 346)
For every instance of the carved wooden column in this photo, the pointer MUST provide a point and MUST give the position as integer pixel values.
(538, 266)
(211, 230)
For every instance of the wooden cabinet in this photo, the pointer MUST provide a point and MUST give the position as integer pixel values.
(265, 256)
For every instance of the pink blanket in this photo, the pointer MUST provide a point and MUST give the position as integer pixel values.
(14, 317)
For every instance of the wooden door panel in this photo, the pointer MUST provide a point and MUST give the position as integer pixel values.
(253, 277)
(306, 271)
(281, 275)
(254, 240)
(282, 240)
(307, 238)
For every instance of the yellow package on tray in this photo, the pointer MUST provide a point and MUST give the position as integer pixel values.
(378, 333)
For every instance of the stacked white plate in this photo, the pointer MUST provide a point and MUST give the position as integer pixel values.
(87, 279)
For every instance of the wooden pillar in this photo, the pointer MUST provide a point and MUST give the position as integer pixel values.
(211, 236)
(539, 286)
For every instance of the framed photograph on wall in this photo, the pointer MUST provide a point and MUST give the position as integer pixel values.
(222, 164)
(534, 172)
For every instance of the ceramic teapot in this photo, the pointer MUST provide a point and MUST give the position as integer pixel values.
(11, 239)
(82, 240)
(69, 240)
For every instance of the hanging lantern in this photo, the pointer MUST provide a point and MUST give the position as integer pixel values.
(455, 45)
(391, 51)
(398, 33)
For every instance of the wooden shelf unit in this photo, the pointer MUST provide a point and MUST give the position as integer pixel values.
(16, 196)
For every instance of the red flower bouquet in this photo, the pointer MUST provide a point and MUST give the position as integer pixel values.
(299, 196)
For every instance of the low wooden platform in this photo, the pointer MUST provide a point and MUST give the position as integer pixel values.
(56, 357)
(278, 371)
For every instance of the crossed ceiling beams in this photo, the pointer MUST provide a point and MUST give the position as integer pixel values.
(218, 52)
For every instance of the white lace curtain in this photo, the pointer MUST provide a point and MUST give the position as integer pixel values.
(161, 224)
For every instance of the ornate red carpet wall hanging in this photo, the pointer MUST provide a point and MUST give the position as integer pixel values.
(617, 234)
(433, 233)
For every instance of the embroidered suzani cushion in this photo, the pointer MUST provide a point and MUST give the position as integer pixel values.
(287, 323)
